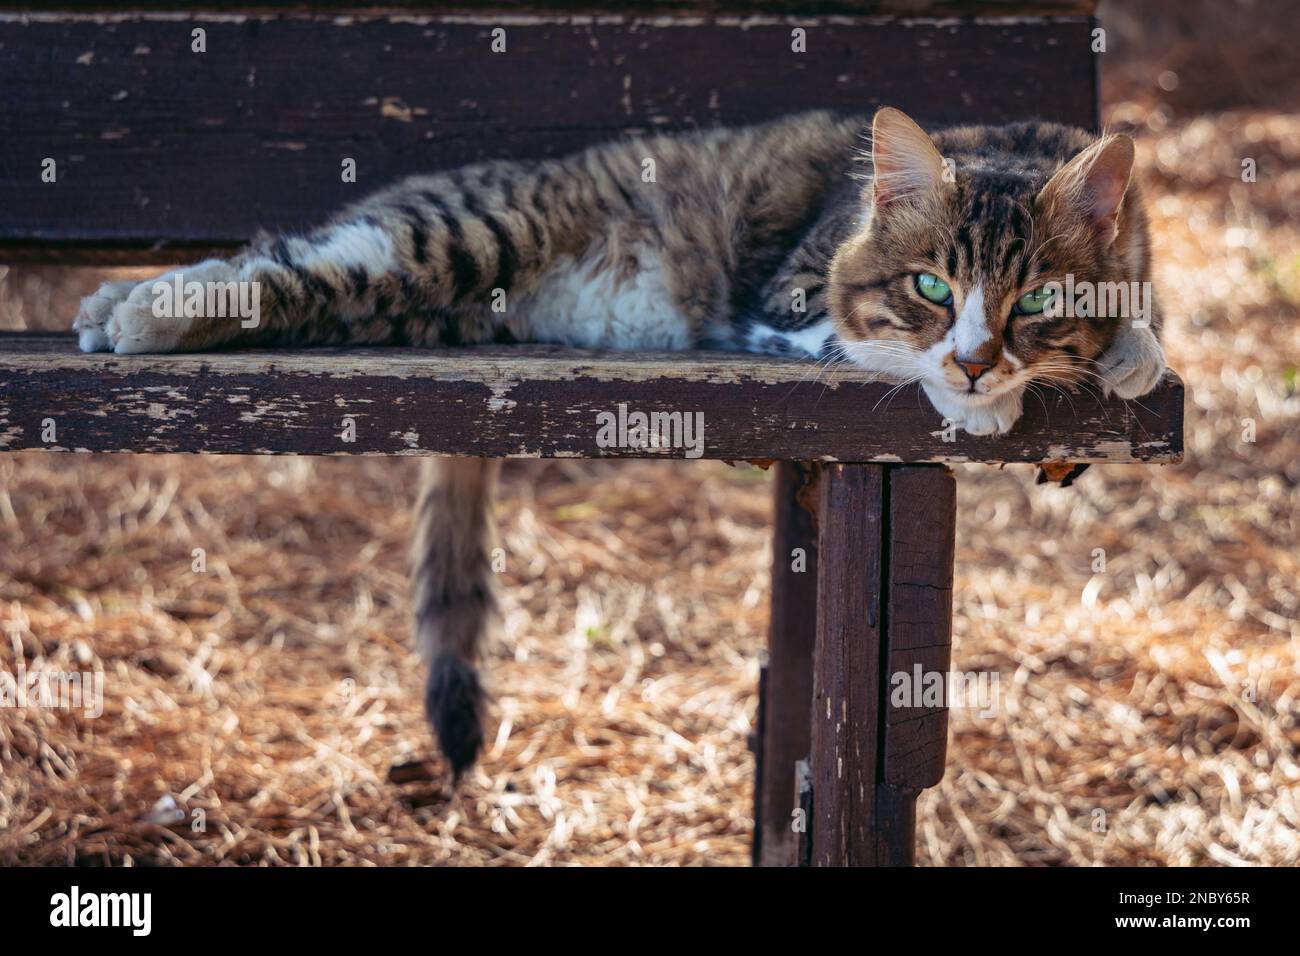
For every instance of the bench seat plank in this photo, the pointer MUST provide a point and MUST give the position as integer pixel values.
(528, 402)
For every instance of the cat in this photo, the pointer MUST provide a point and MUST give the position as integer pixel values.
(922, 258)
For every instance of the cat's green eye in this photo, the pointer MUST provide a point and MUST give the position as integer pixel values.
(1032, 303)
(933, 288)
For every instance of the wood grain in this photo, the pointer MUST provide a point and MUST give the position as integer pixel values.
(528, 402)
(846, 734)
(787, 686)
(920, 541)
(163, 153)
(910, 8)
(922, 535)
(884, 607)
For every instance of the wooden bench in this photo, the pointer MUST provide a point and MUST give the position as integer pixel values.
(164, 154)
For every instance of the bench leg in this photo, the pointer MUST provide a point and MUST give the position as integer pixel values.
(884, 625)
(785, 689)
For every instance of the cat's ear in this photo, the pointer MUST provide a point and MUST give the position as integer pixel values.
(904, 161)
(1093, 184)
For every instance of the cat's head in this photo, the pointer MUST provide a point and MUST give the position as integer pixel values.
(944, 279)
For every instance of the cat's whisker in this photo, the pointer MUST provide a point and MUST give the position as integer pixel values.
(895, 390)
(1037, 392)
(1064, 394)
(1051, 383)
(839, 353)
(1070, 378)
(821, 367)
(1050, 239)
(1102, 380)
(1090, 389)
(1029, 217)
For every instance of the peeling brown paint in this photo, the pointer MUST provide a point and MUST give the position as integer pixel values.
(528, 401)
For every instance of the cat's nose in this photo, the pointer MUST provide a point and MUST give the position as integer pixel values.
(974, 369)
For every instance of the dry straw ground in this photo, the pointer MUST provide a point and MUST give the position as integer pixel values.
(1148, 713)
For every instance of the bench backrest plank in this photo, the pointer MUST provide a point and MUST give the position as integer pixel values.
(162, 151)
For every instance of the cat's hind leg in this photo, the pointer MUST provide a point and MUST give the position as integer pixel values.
(91, 323)
(343, 284)
(152, 315)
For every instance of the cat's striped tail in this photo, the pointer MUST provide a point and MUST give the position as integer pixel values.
(455, 601)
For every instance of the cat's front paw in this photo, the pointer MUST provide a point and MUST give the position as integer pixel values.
(144, 322)
(1134, 363)
(994, 418)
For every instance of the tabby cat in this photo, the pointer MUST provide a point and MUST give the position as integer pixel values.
(923, 258)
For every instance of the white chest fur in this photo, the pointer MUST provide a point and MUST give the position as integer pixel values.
(576, 303)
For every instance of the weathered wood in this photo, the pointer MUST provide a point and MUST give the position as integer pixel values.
(803, 799)
(792, 634)
(921, 541)
(155, 143)
(527, 402)
(910, 8)
(756, 748)
(846, 714)
(884, 610)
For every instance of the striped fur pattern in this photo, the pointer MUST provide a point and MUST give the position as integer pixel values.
(454, 598)
(788, 238)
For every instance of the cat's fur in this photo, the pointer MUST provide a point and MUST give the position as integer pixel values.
(704, 239)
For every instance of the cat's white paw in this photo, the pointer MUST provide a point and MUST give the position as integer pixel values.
(91, 323)
(993, 418)
(133, 327)
(1134, 363)
(135, 317)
